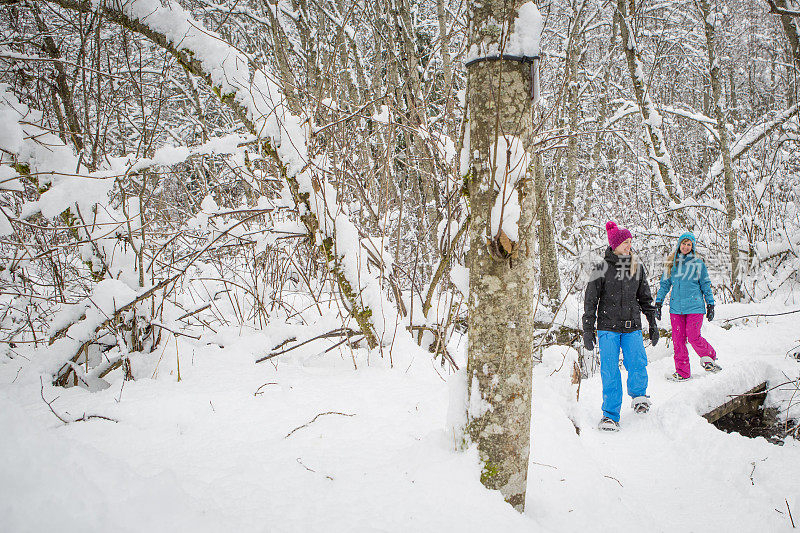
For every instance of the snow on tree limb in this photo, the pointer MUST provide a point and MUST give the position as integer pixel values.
(258, 103)
(746, 141)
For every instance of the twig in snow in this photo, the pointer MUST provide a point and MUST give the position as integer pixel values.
(256, 393)
(615, 479)
(191, 313)
(313, 419)
(84, 418)
(309, 469)
(548, 466)
(212, 406)
(121, 388)
(175, 333)
(49, 404)
(790, 513)
(304, 466)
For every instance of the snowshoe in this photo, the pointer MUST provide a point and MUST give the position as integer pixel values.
(710, 365)
(606, 424)
(641, 404)
(677, 377)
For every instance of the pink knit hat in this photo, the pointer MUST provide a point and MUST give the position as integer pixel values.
(616, 235)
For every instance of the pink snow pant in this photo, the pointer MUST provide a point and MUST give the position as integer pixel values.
(688, 327)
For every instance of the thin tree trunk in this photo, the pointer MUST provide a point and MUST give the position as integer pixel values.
(549, 279)
(61, 86)
(730, 196)
(602, 116)
(447, 69)
(280, 43)
(660, 161)
(573, 107)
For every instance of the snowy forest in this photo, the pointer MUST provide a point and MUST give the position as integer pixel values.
(320, 265)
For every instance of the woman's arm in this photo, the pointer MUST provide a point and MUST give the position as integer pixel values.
(663, 288)
(705, 284)
(591, 298)
(643, 295)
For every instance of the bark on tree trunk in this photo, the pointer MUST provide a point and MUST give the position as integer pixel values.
(61, 83)
(790, 27)
(501, 291)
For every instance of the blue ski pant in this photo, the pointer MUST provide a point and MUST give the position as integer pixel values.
(634, 359)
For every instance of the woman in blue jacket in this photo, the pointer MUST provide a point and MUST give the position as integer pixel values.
(686, 276)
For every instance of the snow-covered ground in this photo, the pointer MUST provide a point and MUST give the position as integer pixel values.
(307, 442)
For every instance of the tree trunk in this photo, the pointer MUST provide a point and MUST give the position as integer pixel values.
(501, 290)
(447, 69)
(602, 116)
(549, 280)
(660, 161)
(790, 28)
(574, 53)
(727, 165)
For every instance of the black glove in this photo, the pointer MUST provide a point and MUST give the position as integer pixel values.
(654, 335)
(588, 340)
(658, 310)
(710, 312)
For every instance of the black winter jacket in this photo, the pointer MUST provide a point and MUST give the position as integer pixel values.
(614, 298)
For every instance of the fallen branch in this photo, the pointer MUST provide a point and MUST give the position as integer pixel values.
(63, 373)
(84, 418)
(314, 419)
(347, 332)
(762, 314)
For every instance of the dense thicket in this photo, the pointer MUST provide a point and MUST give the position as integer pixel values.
(282, 155)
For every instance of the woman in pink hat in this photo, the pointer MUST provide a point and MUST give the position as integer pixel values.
(616, 296)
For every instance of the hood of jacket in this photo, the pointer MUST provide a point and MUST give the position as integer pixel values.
(687, 235)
